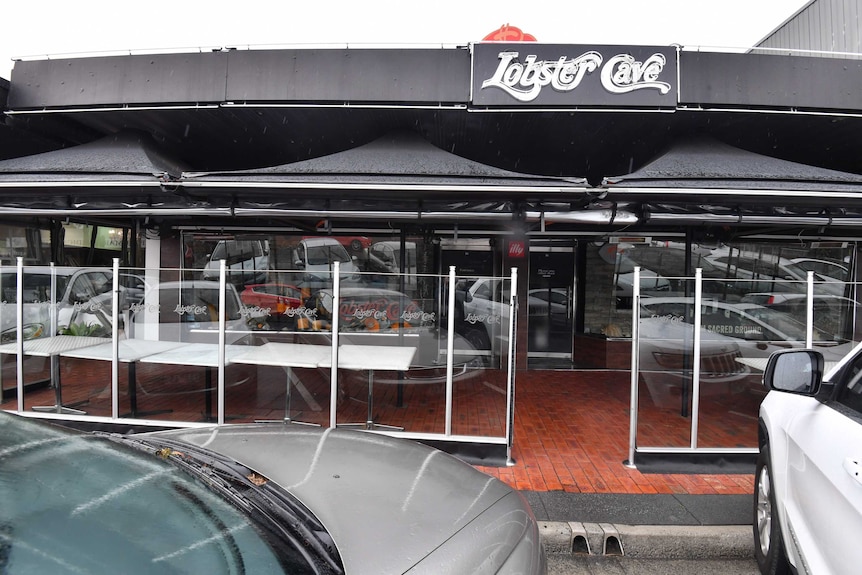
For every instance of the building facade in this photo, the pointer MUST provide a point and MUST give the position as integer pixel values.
(598, 181)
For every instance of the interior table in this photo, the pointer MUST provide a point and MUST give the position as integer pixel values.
(201, 355)
(129, 351)
(288, 356)
(371, 358)
(52, 347)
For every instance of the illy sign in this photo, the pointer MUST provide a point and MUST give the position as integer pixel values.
(560, 75)
(516, 249)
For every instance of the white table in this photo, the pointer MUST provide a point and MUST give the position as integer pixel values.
(129, 351)
(52, 347)
(370, 358)
(288, 356)
(200, 355)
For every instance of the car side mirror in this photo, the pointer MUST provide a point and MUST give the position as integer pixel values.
(468, 297)
(795, 371)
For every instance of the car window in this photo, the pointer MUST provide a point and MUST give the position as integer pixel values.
(851, 394)
(88, 285)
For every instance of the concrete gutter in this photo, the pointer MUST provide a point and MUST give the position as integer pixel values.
(648, 541)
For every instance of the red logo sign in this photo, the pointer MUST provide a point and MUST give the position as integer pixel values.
(508, 33)
(516, 249)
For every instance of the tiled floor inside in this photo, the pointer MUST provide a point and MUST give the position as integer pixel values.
(571, 427)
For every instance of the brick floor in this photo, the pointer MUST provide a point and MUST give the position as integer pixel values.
(571, 428)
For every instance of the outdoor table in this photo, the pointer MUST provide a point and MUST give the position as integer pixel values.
(201, 355)
(129, 351)
(371, 358)
(52, 347)
(288, 356)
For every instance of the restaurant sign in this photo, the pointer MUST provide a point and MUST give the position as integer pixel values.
(563, 75)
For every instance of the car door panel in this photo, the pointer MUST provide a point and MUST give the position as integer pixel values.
(821, 441)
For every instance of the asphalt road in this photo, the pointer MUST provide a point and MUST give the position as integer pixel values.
(573, 564)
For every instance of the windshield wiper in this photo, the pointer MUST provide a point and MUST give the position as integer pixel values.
(272, 507)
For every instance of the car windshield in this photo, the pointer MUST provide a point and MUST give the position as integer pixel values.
(326, 254)
(77, 503)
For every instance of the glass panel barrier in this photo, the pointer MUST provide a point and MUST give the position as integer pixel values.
(61, 309)
(665, 358)
(260, 349)
(483, 347)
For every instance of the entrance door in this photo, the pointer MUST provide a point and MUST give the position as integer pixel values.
(550, 300)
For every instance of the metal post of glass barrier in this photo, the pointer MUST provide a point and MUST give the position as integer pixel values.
(633, 410)
(695, 374)
(222, 285)
(115, 342)
(809, 313)
(450, 350)
(19, 329)
(510, 389)
(333, 371)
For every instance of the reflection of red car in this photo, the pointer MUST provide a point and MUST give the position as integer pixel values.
(352, 243)
(277, 298)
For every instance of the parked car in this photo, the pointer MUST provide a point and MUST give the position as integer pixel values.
(316, 256)
(757, 330)
(277, 301)
(824, 269)
(83, 297)
(352, 243)
(771, 274)
(254, 498)
(808, 478)
(666, 356)
(246, 261)
(833, 314)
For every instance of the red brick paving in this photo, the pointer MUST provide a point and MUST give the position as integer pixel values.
(571, 427)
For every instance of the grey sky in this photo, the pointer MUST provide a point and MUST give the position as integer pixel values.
(54, 27)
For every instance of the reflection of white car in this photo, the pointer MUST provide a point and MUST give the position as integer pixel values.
(833, 314)
(316, 258)
(246, 261)
(82, 298)
(824, 269)
(483, 313)
(758, 330)
(666, 361)
(82, 305)
(808, 478)
(772, 274)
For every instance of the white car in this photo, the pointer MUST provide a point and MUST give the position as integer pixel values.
(808, 479)
(758, 330)
(246, 261)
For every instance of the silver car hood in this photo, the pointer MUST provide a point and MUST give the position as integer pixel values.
(387, 503)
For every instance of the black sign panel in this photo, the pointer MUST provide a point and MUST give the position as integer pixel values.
(564, 75)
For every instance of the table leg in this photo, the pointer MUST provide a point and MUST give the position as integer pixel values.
(133, 395)
(208, 394)
(287, 393)
(369, 421)
(58, 406)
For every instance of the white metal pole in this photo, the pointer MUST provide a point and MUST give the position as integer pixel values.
(333, 373)
(19, 314)
(222, 279)
(633, 400)
(695, 374)
(809, 313)
(510, 391)
(450, 351)
(115, 341)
